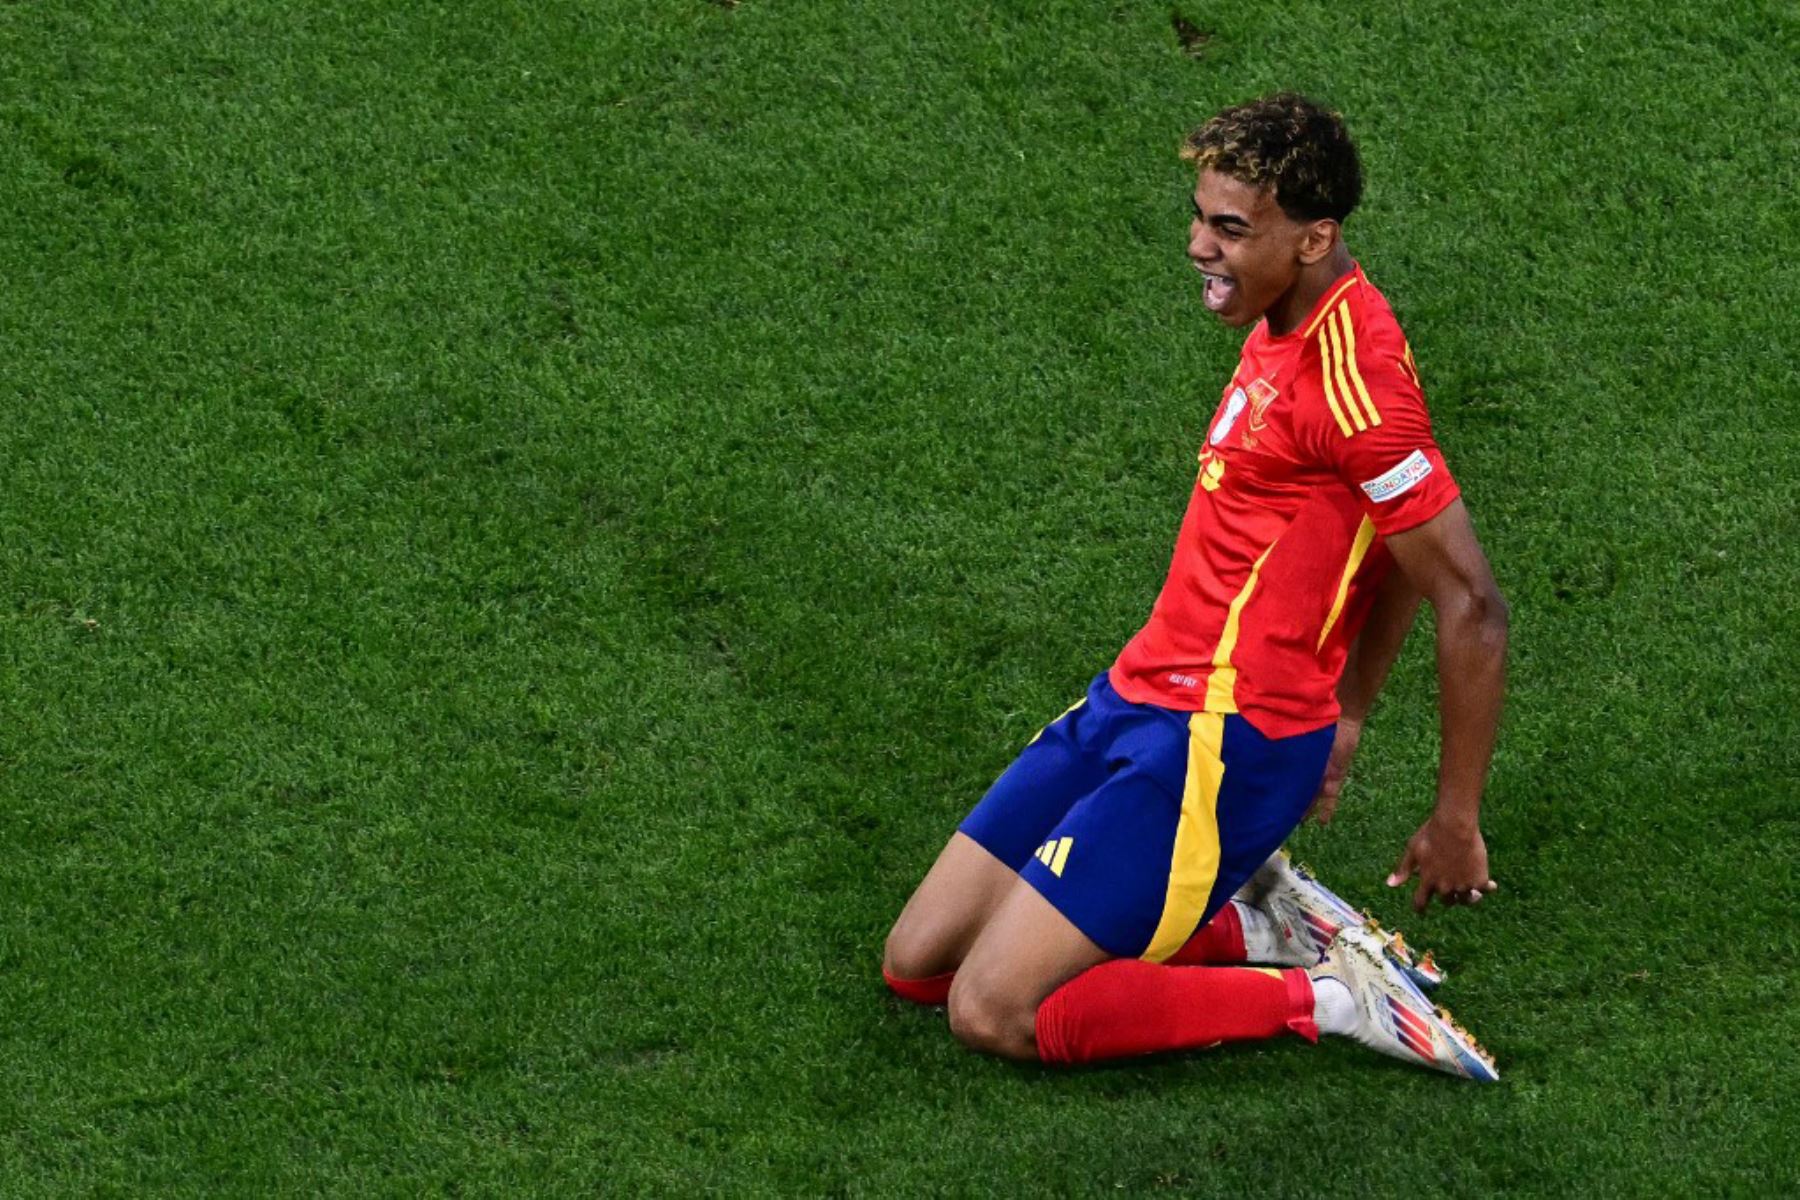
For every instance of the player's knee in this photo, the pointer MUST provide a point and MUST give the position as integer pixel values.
(914, 952)
(900, 957)
(990, 1022)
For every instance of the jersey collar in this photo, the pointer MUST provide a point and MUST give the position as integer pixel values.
(1337, 291)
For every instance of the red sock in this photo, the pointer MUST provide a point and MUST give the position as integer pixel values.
(934, 990)
(1127, 1007)
(1220, 940)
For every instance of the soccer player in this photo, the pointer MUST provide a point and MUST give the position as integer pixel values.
(1084, 910)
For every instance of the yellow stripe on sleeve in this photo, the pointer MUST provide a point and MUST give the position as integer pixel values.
(1337, 369)
(1194, 864)
(1343, 316)
(1331, 400)
(1359, 549)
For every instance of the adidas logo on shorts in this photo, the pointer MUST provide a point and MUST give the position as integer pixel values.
(1054, 853)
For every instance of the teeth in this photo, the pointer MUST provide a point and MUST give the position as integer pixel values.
(1217, 290)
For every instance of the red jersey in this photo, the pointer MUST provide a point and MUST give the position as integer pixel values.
(1320, 446)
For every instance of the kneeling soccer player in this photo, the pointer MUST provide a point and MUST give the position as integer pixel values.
(1068, 918)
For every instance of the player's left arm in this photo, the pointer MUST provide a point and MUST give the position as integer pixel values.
(1444, 561)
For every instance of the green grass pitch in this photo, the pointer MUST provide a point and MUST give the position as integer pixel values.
(524, 525)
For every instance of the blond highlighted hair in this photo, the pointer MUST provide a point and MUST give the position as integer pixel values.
(1289, 143)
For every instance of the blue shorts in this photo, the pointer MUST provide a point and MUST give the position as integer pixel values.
(1139, 822)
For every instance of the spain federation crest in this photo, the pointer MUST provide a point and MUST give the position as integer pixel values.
(1261, 394)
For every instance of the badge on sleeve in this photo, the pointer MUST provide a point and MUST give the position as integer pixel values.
(1400, 480)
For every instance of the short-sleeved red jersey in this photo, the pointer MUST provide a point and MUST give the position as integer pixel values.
(1320, 446)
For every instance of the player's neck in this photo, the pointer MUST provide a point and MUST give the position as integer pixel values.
(1314, 281)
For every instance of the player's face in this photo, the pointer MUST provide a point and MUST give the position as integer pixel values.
(1245, 246)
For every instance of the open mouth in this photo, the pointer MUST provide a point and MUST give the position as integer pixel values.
(1220, 289)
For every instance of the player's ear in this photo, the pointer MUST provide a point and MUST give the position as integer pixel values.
(1318, 239)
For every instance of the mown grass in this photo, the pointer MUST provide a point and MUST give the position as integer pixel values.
(526, 525)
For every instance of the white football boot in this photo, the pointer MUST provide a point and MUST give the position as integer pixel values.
(1393, 1015)
(1307, 915)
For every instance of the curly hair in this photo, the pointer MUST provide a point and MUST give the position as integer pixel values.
(1289, 142)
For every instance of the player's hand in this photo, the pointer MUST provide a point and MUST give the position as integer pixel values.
(1343, 749)
(1451, 862)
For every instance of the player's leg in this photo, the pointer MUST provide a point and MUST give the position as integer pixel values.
(1149, 856)
(1035, 986)
(1025, 953)
(1289, 917)
(1283, 916)
(942, 919)
(1219, 942)
(1364, 992)
(980, 864)
(1042, 979)
(1280, 914)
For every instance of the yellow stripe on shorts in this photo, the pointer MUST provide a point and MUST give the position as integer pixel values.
(1065, 712)
(1194, 866)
